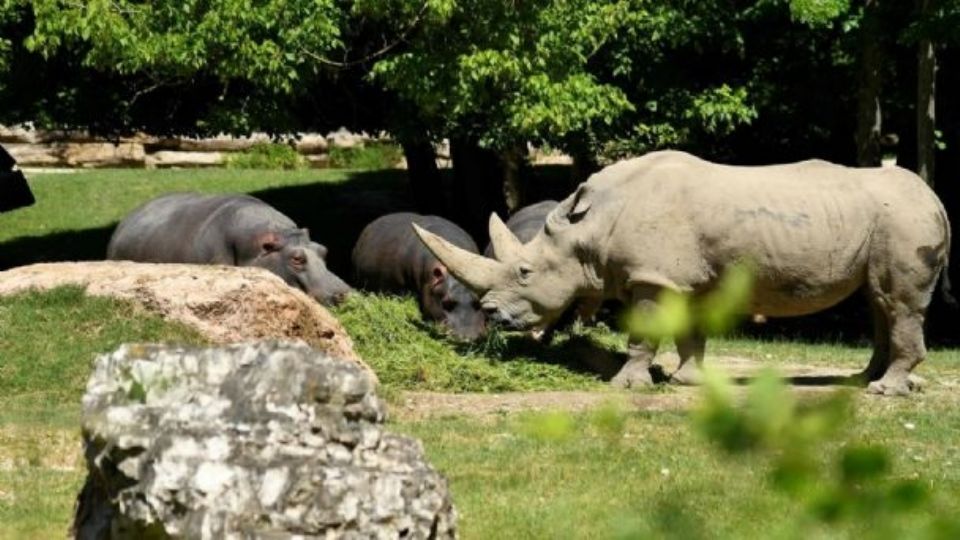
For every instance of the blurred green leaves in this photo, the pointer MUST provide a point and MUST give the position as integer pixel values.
(714, 313)
(802, 443)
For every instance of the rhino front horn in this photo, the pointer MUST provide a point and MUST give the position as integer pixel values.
(475, 271)
(505, 244)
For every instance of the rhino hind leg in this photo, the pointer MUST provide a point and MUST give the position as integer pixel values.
(689, 348)
(907, 350)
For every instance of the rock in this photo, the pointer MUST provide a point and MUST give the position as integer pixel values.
(101, 154)
(344, 138)
(18, 134)
(226, 304)
(36, 155)
(268, 440)
(174, 158)
(311, 144)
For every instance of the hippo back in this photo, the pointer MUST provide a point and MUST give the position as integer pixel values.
(234, 229)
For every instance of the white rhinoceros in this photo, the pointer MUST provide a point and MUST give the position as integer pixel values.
(814, 232)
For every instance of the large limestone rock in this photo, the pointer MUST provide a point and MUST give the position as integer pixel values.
(174, 158)
(269, 440)
(224, 303)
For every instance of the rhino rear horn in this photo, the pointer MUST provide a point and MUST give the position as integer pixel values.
(505, 244)
(475, 271)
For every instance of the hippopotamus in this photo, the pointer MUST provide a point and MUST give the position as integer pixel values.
(526, 222)
(233, 229)
(388, 257)
(813, 232)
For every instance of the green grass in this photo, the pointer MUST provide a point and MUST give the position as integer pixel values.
(48, 341)
(661, 479)
(47, 344)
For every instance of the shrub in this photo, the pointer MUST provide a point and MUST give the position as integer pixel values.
(267, 156)
(371, 156)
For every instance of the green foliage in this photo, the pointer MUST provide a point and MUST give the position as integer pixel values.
(371, 156)
(715, 313)
(267, 156)
(818, 12)
(856, 484)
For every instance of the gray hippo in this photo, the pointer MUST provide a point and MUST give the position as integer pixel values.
(389, 257)
(526, 222)
(235, 230)
(813, 231)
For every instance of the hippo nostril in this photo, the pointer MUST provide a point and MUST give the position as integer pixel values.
(339, 297)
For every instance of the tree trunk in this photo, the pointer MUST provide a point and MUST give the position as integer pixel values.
(425, 179)
(514, 161)
(926, 95)
(868, 101)
(478, 186)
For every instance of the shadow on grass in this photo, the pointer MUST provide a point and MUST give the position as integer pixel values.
(82, 245)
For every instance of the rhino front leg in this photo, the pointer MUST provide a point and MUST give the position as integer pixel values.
(636, 372)
(640, 351)
(690, 348)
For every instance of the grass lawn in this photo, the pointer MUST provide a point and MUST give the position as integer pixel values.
(656, 477)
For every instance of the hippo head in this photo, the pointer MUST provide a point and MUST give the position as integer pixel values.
(528, 286)
(447, 300)
(301, 263)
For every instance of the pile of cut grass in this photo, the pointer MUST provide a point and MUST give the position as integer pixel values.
(410, 354)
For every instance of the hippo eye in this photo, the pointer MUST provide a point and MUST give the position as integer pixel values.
(449, 305)
(298, 260)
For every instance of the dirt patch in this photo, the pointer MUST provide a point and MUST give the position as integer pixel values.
(421, 405)
(225, 304)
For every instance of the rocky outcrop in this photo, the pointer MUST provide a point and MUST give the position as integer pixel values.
(268, 440)
(224, 303)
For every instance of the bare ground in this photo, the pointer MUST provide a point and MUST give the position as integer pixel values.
(414, 406)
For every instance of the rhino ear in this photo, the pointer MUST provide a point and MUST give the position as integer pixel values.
(506, 246)
(572, 209)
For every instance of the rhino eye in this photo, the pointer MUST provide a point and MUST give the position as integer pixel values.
(525, 270)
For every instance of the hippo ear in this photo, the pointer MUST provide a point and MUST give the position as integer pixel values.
(506, 246)
(437, 275)
(320, 249)
(474, 270)
(270, 242)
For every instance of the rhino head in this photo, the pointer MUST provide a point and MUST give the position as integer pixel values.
(528, 286)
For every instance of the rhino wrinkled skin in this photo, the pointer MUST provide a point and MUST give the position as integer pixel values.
(814, 233)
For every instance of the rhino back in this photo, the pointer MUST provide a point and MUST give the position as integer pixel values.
(389, 256)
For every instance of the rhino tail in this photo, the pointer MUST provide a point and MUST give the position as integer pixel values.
(945, 293)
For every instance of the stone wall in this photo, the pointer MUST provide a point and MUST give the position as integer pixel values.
(77, 149)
